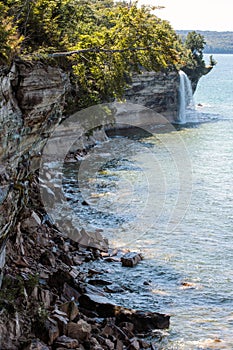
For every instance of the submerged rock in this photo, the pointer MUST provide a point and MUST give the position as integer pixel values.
(131, 259)
(142, 321)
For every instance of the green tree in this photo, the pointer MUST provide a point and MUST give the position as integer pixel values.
(9, 38)
(102, 40)
(196, 43)
(194, 64)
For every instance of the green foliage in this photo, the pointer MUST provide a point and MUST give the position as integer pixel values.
(193, 62)
(9, 38)
(122, 31)
(196, 43)
(119, 40)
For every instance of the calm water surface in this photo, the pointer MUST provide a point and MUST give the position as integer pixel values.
(189, 265)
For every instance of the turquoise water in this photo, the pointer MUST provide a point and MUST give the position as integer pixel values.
(170, 196)
(215, 90)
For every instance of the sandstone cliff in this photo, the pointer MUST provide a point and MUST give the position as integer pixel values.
(158, 91)
(32, 101)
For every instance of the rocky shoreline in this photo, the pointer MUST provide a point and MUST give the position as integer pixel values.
(46, 301)
(51, 299)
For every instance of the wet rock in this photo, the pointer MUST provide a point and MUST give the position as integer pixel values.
(92, 272)
(131, 259)
(99, 282)
(155, 90)
(99, 304)
(147, 283)
(93, 239)
(112, 259)
(66, 342)
(188, 285)
(113, 288)
(143, 321)
(80, 330)
(89, 289)
(109, 252)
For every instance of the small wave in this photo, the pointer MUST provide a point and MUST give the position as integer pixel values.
(204, 117)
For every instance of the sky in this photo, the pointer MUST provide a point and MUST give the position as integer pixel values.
(196, 14)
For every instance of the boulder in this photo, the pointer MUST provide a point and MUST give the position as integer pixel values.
(99, 304)
(51, 331)
(66, 342)
(71, 309)
(131, 259)
(143, 321)
(80, 330)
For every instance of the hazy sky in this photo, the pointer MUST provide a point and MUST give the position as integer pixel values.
(196, 14)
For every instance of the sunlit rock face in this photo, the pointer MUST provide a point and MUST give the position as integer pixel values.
(158, 91)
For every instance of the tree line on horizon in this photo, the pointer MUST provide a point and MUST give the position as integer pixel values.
(216, 42)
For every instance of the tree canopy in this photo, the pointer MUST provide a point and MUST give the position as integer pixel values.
(102, 41)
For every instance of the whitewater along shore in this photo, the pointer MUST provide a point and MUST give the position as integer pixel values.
(51, 298)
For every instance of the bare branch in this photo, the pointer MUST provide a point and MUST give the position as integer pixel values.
(77, 52)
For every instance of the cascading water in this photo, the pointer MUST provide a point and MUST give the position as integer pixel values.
(187, 111)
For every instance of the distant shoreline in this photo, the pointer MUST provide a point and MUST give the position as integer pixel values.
(216, 42)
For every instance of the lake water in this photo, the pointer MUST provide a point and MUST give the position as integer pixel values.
(170, 196)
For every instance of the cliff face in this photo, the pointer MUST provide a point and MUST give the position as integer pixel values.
(158, 91)
(32, 98)
(32, 101)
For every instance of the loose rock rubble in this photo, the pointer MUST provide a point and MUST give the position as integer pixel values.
(46, 302)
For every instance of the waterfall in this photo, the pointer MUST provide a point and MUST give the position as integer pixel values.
(186, 102)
